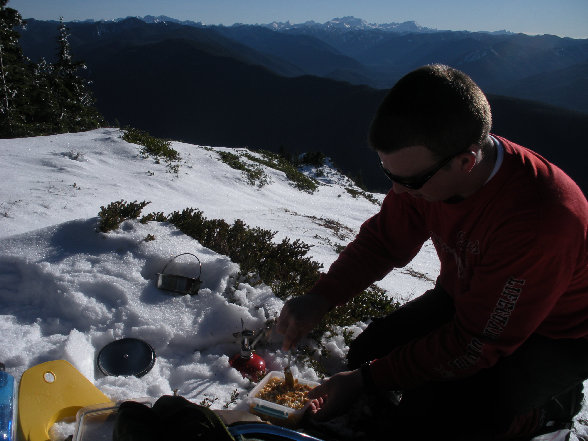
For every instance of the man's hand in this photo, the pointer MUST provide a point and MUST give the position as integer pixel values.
(299, 316)
(336, 395)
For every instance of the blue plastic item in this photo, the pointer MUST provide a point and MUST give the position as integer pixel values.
(6, 407)
(251, 430)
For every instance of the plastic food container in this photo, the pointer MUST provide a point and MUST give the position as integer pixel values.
(273, 412)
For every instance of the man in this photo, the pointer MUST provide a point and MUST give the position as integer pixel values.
(499, 348)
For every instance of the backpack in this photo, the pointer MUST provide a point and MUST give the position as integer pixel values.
(171, 418)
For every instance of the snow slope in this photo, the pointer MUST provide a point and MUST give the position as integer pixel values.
(67, 290)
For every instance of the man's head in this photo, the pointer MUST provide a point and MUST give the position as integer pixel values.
(431, 134)
(435, 106)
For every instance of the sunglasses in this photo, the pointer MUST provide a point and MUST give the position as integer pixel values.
(416, 182)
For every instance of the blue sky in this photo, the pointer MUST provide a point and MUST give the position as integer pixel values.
(563, 17)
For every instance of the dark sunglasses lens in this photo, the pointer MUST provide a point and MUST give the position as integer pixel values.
(409, 185)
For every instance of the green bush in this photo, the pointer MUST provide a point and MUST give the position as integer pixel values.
(157, 217)
(232, 160)
(154, 147)
(316, 159)
(117, 212)
(254, 174)
(370, 304)
(284, 266)
(357, 193)
(298, 179)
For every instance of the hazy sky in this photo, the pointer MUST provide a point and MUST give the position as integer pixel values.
(559, 17)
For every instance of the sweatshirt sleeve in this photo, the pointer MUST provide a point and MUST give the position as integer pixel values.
(517, 283)
(388, 240)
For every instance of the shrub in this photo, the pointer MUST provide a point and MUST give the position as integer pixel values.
(254, 174)
(356, 193)
(284, 266)
(298, 179)
(158, 217)
(154, 147)
(370, 304)
(117, 212)
(316, 159)
(232, 160)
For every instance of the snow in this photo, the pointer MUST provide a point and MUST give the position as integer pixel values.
(67, 290)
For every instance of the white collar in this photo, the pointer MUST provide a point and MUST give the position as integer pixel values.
(499, 158)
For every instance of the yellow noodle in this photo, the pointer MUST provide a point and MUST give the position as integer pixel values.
(276, 391)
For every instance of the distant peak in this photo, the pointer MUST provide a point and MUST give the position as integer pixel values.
(166, 19)
(350, 23)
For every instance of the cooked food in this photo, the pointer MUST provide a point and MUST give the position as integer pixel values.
(277, 391)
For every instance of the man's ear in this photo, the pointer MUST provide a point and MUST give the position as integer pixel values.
(468, 160)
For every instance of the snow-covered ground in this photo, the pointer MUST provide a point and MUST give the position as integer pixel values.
(67, 290)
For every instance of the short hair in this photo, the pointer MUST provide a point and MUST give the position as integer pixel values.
(436, 106)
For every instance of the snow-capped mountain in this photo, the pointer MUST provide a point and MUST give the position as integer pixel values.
(350, 23)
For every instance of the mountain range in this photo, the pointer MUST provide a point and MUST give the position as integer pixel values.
(377, 55)
(313, 87)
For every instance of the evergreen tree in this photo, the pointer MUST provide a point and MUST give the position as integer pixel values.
(15, 75)
(70, 98)
(43, 98)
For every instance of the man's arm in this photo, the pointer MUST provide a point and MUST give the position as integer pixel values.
(390, 238)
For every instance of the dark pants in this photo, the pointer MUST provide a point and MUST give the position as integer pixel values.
(485, 404)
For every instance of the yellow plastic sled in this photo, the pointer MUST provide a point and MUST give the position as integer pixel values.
(51, 392)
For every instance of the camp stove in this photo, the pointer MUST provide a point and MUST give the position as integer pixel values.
(247, 362)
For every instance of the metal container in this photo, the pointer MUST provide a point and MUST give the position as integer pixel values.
(180, 284)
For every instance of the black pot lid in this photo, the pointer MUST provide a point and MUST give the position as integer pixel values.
(128, 356)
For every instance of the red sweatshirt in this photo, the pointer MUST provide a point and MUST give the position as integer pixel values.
(513, 258)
